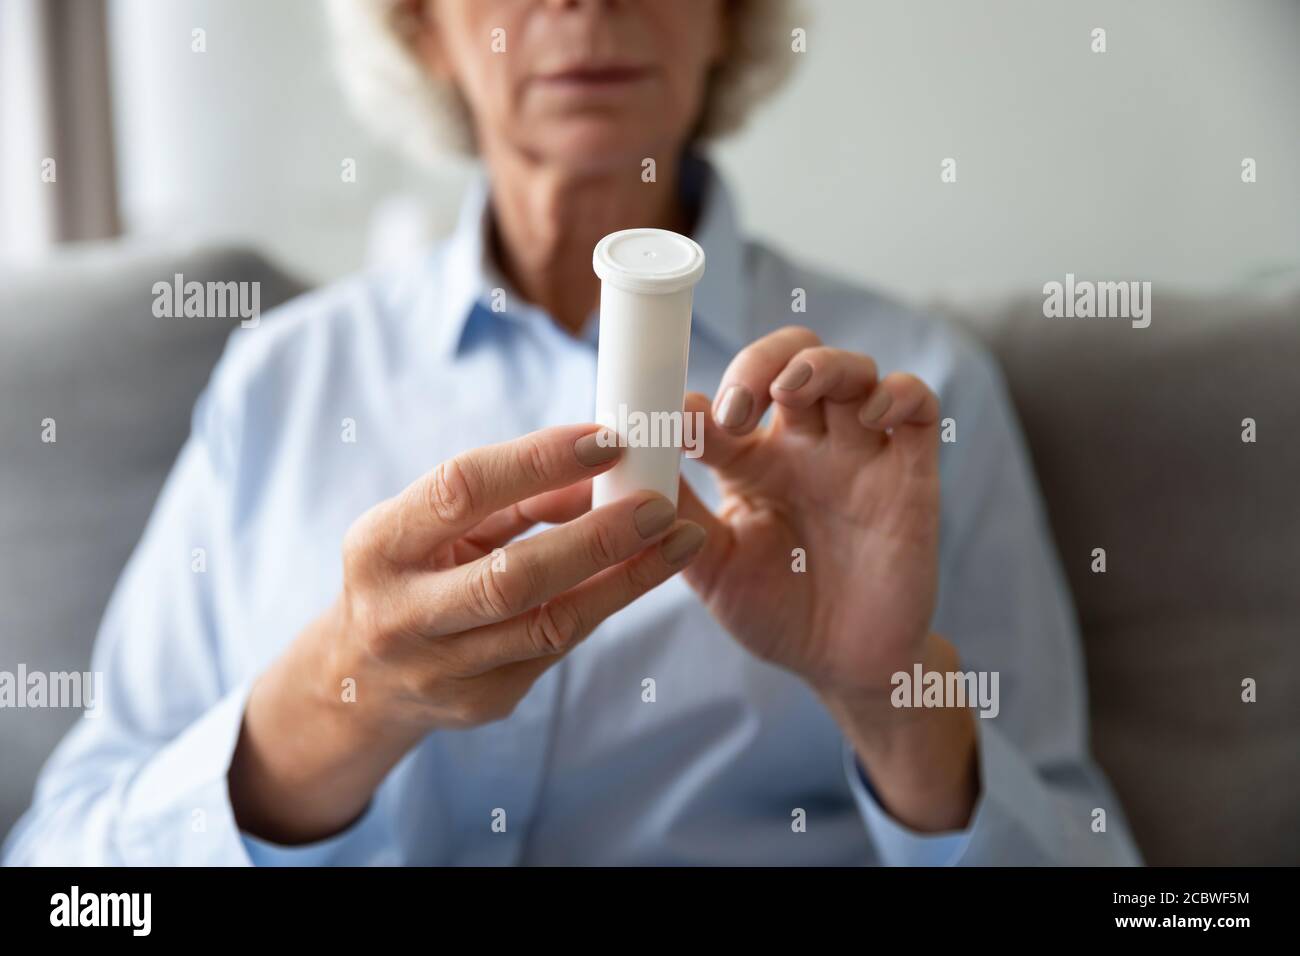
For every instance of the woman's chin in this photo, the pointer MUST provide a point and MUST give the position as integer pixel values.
(599, 144)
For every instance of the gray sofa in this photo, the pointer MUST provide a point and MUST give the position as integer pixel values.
(79, 344)
(1136, 436)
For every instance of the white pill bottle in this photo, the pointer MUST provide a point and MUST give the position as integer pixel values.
(647, 282)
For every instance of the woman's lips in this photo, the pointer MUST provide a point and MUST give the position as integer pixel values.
(594, 78)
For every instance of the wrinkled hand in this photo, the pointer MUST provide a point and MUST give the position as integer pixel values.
(847, 473)
(448, 619)
(445, 619)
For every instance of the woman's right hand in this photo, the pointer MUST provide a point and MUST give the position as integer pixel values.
(443, 622)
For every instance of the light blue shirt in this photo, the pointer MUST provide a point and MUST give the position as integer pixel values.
(733, 762)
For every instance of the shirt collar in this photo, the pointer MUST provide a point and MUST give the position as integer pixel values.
(467, 276)
(463, 268)
(721, 300)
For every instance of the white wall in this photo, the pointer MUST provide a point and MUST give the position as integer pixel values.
(1117, 165)
(245, 141)
(1122, 164)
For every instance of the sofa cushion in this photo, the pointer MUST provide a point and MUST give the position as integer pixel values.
(1136, 435)
(82, 346)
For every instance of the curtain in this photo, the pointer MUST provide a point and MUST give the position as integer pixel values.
(56, 132)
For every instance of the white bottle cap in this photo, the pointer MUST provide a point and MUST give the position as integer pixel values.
(653, 261)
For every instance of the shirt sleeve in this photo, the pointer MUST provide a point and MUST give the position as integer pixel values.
(896, 844)
(1004, 604)
(141, 779)
(361, 843)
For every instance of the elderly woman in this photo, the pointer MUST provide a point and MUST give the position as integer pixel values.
(336, 642)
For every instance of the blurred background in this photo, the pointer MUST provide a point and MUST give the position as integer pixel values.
(225, 164)
(1125, 164)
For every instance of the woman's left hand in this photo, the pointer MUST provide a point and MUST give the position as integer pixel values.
(823, 557)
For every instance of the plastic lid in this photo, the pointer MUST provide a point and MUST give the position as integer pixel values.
(653, 261)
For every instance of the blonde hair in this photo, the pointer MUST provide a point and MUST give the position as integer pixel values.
(393, 93)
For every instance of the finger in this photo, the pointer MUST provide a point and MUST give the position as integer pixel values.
(815, 377)
(909, 409)
(551, 507)
(557, 626)
(702, 573)
(719, 448)
(900, 399)
(743, 395)
(533, 570)
(462, 491)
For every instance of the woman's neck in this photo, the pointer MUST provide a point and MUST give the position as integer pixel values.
(546, 221)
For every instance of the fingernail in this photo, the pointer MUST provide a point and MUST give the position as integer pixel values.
(796, 376)
(876, 406)
(597, 448)
(734, 407)
(654, 516)
(682, 545)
